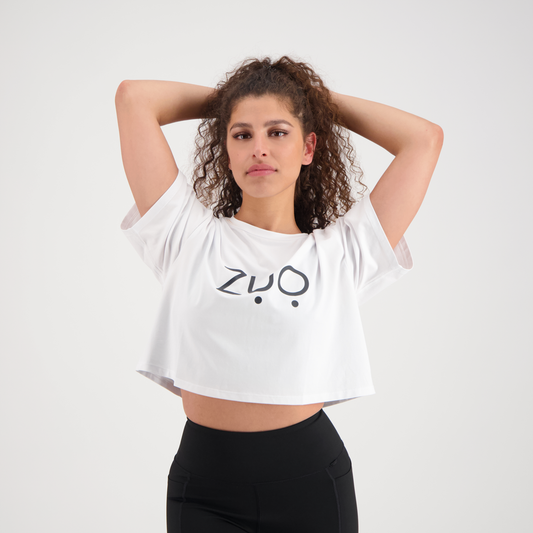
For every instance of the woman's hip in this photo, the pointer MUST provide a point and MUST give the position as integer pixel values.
(254, 457)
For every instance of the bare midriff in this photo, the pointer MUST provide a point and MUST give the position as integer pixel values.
(228, 415)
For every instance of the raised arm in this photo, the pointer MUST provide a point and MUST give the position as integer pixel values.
(416, 144)
(142, 108)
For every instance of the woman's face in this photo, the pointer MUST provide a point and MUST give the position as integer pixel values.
(266, 147)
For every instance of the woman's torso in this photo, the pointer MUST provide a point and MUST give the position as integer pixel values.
(229, 415)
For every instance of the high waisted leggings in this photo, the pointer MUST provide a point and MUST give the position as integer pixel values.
(296, 479)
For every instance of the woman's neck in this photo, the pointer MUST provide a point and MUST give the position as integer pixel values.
(269, 215)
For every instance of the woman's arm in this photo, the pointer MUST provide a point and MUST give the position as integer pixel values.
(142, 108)
(416, 144)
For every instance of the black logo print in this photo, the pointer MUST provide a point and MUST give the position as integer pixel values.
(268, 286)
(232, 280)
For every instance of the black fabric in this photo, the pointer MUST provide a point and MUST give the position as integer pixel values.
(291, 480)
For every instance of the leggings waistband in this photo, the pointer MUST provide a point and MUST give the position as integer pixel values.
(293, 451)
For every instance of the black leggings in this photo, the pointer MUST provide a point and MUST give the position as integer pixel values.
(296, 479)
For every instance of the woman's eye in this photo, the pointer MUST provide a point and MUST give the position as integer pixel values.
(278, 133)
(241, 136)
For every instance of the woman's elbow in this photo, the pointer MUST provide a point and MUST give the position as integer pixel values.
(435, 136)
(125, 92)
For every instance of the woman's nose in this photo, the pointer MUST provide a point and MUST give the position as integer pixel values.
(259, 147)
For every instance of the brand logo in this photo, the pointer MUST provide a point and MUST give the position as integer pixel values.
(268, 286)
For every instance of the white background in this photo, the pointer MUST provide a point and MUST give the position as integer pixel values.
(445, 444)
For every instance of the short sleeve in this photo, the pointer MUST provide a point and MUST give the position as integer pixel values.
(159, 235)
(374, 262)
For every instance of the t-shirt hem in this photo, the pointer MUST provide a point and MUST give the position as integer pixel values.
(175, 385)
(133, 220)
(400, 255)
(133, 224)
(399, 258)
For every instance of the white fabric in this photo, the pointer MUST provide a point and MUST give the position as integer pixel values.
(303, 343)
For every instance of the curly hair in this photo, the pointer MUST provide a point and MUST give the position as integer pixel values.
(323, 188)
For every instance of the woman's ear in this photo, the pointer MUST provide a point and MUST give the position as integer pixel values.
(309, 149)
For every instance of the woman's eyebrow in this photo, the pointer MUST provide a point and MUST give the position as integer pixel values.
(267, 124)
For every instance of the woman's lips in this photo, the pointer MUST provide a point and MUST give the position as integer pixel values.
(260, 170)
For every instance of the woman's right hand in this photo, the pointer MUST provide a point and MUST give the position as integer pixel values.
(142, 108)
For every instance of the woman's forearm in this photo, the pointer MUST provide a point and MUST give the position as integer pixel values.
(386, 126)
(168, 101)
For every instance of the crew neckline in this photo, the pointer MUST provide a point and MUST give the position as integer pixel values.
(260, 231)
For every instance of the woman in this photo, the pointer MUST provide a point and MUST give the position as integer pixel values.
(258, 328)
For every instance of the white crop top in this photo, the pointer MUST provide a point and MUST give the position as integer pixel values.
(257, 316)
